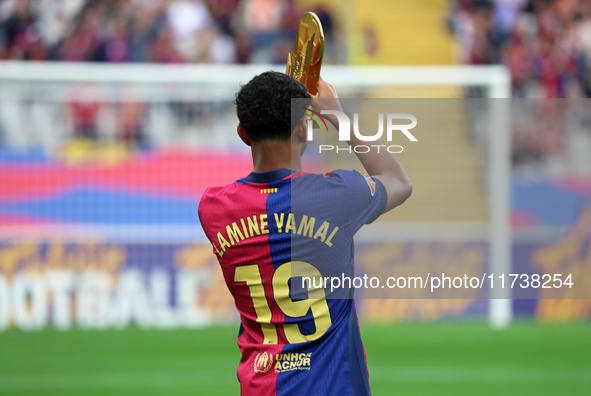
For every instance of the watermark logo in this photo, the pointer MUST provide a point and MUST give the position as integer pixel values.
(316, 117)
(390, 123)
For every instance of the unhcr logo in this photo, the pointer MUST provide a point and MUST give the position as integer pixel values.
(292, 361)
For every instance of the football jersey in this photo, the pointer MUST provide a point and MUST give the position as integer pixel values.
(277, 235)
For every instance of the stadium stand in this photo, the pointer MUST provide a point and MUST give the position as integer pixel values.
(545, 44)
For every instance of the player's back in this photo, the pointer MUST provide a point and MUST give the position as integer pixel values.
(277, 235)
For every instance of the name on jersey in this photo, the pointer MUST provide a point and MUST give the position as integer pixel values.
(285, 223)
(282, 362)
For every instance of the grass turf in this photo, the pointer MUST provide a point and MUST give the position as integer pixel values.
(417, 359)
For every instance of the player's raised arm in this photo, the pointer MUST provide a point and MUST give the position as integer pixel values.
(379, 164)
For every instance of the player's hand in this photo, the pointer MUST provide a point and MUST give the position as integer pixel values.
(326, 99)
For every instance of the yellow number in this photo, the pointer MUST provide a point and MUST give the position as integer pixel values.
(252, 276)
(296, 309)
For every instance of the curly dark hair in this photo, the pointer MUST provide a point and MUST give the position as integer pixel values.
(264, 106)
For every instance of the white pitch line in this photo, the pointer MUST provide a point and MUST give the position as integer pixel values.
(432, 374)
(110, 380)
(481, 374)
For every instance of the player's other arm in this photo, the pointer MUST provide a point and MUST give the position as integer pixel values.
(379, 164)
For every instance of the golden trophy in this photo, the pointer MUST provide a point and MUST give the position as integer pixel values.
(308, 50)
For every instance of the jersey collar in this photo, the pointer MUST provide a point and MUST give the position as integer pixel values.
(265, 177)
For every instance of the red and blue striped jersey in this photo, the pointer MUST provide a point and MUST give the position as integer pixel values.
(277, 235)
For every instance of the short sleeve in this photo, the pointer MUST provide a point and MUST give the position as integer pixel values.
(366, 197)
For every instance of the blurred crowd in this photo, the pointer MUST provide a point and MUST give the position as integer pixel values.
(158, 31)
(546, 44)
(163, 31)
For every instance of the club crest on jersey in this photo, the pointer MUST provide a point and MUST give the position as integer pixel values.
(263, 362)
(371, 183)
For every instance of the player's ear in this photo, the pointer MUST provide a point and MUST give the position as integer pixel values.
(243, 135)
(301, 131)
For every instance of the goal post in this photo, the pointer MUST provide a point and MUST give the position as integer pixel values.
(37, 81)
(498, 83)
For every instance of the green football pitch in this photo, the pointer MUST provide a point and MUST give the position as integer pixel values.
(404, 359)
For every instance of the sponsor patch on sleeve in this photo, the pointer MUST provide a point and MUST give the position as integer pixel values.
(371, 183)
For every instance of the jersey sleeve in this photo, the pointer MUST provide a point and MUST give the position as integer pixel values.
(366, 197)
(203, 211)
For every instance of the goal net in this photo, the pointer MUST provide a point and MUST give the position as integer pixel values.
(102, 168)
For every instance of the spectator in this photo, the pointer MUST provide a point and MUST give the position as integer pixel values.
(162, 50)
(83, 44)
(16, 28)
(517, 56)
(145, 27)
(130, 121)
(117, 46)
(186, 19)
(85, 106)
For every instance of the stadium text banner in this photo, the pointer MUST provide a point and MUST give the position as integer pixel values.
(92, 285)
